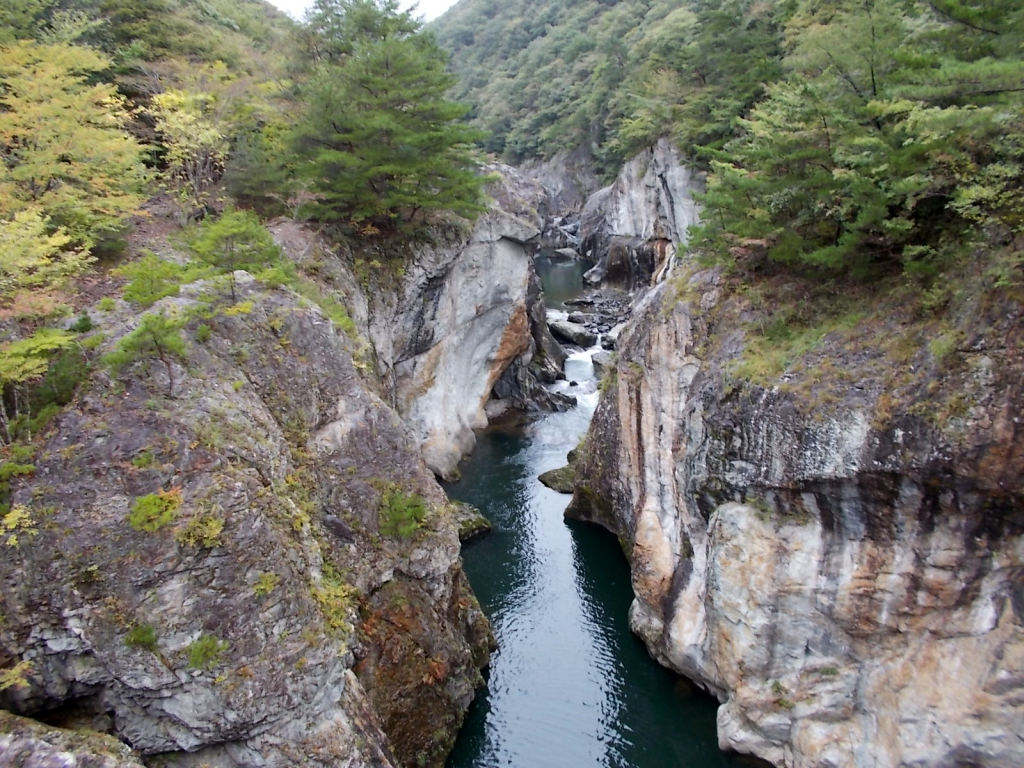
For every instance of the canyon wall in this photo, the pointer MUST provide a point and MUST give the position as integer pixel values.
(632, 228)
(445, 326)
(845, 572)
(212, 556)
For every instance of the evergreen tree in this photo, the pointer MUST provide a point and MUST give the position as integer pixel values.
(898, 131)
(158, 336)
(237, 240)
(379, 140)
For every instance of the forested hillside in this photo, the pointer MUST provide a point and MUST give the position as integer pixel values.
(840, 135)
(111, 110)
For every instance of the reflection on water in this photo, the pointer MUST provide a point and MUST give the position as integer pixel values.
(561, 279)
(570, 685)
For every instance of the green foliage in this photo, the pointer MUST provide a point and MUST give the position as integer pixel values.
(203, 333)
(157, 336)
(266, 584)
(152, 279)
(701, 71)
(106, 304)
(258, 173)
(546, 77)
(82, 325)
(202, 531)
(237, 240)
(945, 344)
(154, 511)
(880, 148)
(379, 141)
(401, 514)
(23, 365)
(205, 652)
(143, 460)
(141, 636)
(335, 598)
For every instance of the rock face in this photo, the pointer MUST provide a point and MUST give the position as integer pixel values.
(28, 744)
(850, 584)
(567, 180)
(459, 320)
(220, 569)
(445, 329)
(631, 229)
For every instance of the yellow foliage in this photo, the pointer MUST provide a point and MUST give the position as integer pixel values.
(67, 155)
(31, 258)
(196, 144)
(15, 523)
(16, 676)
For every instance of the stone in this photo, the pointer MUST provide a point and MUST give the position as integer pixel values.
(566, 254)
(278, 490)
(461, 314)
(560, 480)
(573, 333)
(602, 362)
(470, 521)
(30, 744)
(584, 318)
(862, 605)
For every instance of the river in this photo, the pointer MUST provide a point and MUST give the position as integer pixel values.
(570, 686)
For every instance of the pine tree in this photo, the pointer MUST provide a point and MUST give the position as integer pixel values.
(157, 336)
(380, 141)
(237, 240)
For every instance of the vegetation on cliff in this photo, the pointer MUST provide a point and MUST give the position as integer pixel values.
(140, 144)
(844, 137)
(104, 103)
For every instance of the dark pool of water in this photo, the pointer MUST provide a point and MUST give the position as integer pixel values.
(570, 684)
(561, 278)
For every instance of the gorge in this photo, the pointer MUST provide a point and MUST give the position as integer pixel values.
(720, 325)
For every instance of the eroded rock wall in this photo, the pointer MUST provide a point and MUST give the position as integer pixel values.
(459, 320)
(632, 228)
(850, 586)
(445, 326)
(274, 617)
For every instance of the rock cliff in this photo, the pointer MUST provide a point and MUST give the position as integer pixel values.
(632, 228)
(456, 316)
(843, 564)
(238, 557)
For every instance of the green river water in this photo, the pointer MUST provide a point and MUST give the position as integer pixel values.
(570, 685)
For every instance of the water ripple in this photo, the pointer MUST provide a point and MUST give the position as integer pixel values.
(570, 686)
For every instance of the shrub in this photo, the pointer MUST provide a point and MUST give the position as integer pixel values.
(82, 325)
(265, 584)
(154, 511)
(106, 304)
(203, 333)
(141, 636)
(152, 279)
(143, 460)
(202, 531)
(335, 598)
(157, 336)
(401, 514)
(204, 652)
